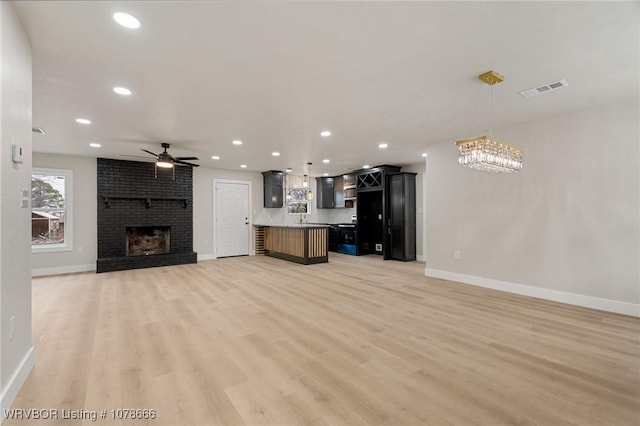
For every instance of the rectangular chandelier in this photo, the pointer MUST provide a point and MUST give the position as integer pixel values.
(486, 154)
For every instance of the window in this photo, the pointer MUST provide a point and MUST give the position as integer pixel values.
(51, 210)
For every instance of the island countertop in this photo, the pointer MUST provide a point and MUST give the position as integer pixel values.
(294, 225)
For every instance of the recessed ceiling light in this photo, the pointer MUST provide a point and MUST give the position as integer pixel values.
(83, 121)
(383, 145)
(215, 157)
(325, 174)
(424, 154)
(244, 166)
(366, 166)
(326, 161)
(288, 170)
(122, 91)
(237, 142)
(325, 133)
(126, 20)
(95, 145)
(275, 153)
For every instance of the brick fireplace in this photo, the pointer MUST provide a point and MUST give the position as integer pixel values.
(143, 221)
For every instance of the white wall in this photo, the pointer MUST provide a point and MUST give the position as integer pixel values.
(566, 227)
(83, 255)
(16, 354)
(203, 204)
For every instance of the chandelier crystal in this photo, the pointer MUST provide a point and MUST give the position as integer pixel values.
(485, 153)
(489, 155)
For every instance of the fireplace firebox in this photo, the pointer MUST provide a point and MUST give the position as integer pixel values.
(148, 240)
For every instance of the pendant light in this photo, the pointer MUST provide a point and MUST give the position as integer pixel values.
(485, 153)
(309, 191)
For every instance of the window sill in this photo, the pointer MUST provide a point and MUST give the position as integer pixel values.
(51, 248)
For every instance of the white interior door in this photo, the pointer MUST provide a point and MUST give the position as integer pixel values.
(232, 219)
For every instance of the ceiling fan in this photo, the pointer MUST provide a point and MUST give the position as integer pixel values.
(166, 160)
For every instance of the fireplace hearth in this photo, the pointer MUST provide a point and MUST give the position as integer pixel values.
(148, 240)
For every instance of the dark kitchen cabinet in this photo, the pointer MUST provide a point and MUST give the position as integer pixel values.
(338, 192)
(273, 190)
(349, 187)
(373, 179)
(325, 191)
(401, 207)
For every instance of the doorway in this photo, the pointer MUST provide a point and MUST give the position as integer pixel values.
(232, 222)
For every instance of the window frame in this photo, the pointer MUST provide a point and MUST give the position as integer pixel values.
(68, 207)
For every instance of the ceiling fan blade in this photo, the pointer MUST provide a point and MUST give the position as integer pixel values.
(146, 157)
(155, 155)
(184, 163)
(186, 158)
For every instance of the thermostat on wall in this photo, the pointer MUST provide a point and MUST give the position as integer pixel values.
(16, 154)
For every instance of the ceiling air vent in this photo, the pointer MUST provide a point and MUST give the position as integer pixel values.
(544, 88)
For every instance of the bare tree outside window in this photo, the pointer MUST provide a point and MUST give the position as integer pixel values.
(47, 209)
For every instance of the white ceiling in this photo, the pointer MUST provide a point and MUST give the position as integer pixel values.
(274, 74)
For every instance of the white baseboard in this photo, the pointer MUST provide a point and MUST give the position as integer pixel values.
(608, 305)
(39, 272)
(16, 381)
(211, 256)
(420, 258)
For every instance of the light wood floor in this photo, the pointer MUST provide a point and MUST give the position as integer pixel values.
(358, 341)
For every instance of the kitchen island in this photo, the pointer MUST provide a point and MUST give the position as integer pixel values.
(304, 243)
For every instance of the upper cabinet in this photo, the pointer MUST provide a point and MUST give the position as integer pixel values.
(273, 189)
(373, 179)
(349, 188)
(325, 193)
(332, 193)
(338, 192)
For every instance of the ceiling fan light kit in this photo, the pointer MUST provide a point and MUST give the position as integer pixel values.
(164, 164)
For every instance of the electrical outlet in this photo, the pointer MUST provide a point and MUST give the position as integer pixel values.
(456, 254)
(378, 247)
(12, 327)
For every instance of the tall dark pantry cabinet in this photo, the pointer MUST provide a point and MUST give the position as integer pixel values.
(401, 216)
(386, 212)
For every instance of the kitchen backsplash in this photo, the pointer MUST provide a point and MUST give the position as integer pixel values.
(281, 217)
